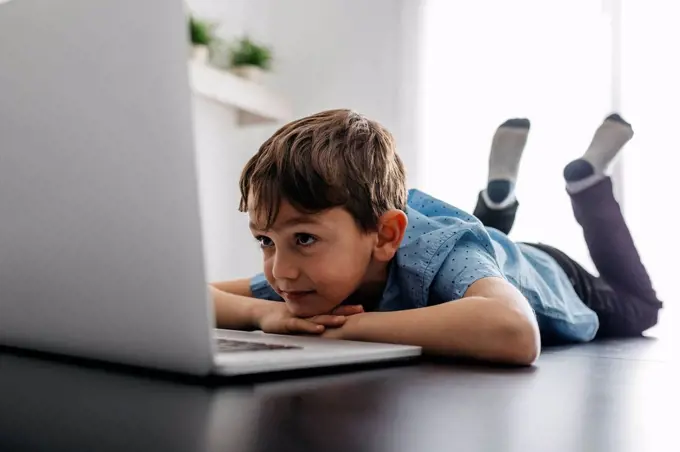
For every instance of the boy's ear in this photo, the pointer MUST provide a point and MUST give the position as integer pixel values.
(391, 229)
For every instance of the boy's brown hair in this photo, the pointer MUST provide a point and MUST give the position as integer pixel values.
(335, 158)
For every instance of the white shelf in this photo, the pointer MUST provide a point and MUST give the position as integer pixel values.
(254, 103)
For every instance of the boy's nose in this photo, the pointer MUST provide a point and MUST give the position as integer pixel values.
(284, 267)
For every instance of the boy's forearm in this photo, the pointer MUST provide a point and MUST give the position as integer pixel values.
(236, 312)
(473, 327)
(234, 286)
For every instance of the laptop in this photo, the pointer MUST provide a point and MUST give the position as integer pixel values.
(101, 248)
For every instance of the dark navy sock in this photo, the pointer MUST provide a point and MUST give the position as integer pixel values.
(499, 190)
(577, 170)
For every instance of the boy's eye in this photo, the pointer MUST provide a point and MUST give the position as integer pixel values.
(305, 239)
(265, 242)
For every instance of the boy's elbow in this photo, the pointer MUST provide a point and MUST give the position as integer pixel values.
(522, 344)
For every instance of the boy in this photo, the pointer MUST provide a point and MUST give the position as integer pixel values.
(354, 256)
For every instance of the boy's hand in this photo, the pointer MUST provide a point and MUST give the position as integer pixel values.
(348, 310)
(277, 319)
(346, 330)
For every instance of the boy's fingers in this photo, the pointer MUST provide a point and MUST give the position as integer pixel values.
(297, 325)
(328, 320)
(348, 310)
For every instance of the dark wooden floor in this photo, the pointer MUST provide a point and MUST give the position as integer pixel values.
(612, 396)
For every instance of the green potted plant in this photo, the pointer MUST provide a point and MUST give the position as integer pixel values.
(201, 35)
(250, 60)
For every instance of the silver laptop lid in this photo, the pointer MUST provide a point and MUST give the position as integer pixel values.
(100, 237)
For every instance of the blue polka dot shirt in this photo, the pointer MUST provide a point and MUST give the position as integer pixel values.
(445, 250)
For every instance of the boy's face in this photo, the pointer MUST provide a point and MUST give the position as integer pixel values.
(314, 261)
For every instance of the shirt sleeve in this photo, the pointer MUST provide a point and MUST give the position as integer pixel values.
(261, 289)
(471, 259)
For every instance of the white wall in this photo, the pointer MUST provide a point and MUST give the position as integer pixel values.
(528, 59)
(329, 54)
(650, 98)
(224, 148)
(522, 61)
(351, 53)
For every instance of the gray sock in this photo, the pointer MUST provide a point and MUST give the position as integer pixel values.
(506, 152)
(608, 140)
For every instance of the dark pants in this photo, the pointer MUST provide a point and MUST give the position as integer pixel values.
(622, 296)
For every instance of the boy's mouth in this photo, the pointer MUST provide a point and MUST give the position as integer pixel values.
(295, 295)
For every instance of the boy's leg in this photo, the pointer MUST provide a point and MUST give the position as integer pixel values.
(609, 241)
(497, 204)
(621, 314)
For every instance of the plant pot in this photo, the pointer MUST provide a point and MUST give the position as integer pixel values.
(199, 53)
(249, 72)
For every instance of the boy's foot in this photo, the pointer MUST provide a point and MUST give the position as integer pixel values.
(608, 140)
(506, 153)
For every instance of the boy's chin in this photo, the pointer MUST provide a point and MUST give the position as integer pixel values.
(306, 310)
